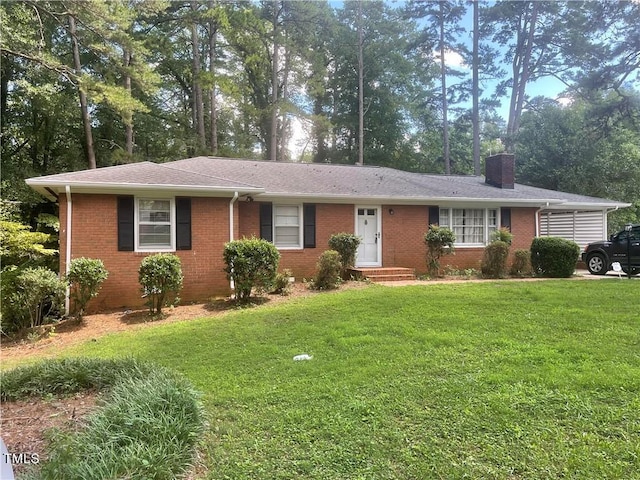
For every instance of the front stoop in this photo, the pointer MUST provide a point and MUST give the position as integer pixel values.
(381, 274)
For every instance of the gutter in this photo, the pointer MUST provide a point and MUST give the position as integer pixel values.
(231, 228)
(67, 259)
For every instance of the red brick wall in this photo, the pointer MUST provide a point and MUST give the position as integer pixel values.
(95, 236)
(95, 231)
(330, 219)
(402, 236)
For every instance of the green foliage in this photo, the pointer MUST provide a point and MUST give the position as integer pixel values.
(328, 270)
(439, 241)
(29, 296)
(146, 427)
(521, 265)
(160, 275)
(502, 234)
(85, 278)
(68, 375)
(282, 284)
(494, 260)
(346, 244)
(554, 257)
(20, 246)
(250, 263)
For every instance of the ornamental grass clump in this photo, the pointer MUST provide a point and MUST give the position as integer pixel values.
(147, 423)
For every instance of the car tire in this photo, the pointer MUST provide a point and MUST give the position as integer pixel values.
(597, 264)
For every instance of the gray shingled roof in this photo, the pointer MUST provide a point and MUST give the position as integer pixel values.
(317, 181)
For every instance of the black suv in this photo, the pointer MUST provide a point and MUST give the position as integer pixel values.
(600, 256)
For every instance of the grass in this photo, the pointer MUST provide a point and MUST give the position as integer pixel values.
(147, 426)
(503, 380)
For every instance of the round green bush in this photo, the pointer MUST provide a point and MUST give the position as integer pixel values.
(160, 275)
(554, 257)
(250, 263)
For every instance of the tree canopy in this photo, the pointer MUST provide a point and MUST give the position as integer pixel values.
(92, 84)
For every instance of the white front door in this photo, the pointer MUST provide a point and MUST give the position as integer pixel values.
(368, 229)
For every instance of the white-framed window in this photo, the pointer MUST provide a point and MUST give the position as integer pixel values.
(287, 226)
(472, 226)
(155, 224)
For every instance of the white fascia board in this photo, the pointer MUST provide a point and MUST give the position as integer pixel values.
(130, 188)
(589, 206)
(384, 200)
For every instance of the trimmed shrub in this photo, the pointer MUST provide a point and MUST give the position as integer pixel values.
(494, 261)
(554, 257)
(85, 278)
(346, 244)
(33, 295)
(281, 284)
(160, 276)
(521, 266)
(439, 241)
(328, 271)
(251, 263)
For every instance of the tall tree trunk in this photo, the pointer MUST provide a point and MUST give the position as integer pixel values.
(273, 144)
(521, 73)
(86, 118)
(198, 105)
(360, 88)
(213, 131)
(445, 122)
(128, 118)
(7, 72)
(285, 122)
(475, 93)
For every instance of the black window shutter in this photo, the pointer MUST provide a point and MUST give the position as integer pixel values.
(183, 223)
(434, 215)
(309, 234)
(266, 221)
(125, 224)
(505, 218)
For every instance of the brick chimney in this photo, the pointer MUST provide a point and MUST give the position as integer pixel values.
(500, 170)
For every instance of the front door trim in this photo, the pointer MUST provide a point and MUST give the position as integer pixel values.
(378, 260)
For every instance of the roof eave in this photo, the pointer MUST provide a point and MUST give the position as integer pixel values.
(407, 200)
(47, 187)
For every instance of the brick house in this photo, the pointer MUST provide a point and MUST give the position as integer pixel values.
(193, 206)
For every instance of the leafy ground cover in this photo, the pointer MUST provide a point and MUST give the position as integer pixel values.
(501, 380)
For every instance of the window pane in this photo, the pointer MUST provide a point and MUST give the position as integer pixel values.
(154, 223)
(444, 217)
(287, 225)
(155, 235)
(287, 236)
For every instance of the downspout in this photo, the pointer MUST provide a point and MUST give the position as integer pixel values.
(538, 219)
(67, 259)
(231, 228)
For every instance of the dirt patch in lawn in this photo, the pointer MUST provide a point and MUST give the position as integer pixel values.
(25, 423)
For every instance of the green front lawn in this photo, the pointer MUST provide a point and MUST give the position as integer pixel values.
(509, 380)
